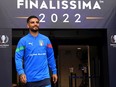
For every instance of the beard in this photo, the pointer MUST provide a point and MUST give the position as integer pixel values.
(34, 29)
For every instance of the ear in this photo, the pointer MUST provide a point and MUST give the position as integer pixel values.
(27, 26)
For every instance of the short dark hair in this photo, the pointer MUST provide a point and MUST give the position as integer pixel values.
(30, 17)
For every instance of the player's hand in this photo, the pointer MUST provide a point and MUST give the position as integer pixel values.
(22, 78)
(54, 78)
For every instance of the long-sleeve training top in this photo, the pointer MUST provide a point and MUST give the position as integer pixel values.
(34, 56)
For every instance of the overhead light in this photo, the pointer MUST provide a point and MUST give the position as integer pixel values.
(78, 48)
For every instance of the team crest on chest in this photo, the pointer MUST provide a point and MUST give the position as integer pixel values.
(41, 43)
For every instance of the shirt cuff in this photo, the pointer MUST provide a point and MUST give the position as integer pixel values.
(21, 72)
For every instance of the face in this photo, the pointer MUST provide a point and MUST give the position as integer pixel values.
(33, 24)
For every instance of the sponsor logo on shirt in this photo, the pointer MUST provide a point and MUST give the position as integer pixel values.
(37, 54)
(30, 43)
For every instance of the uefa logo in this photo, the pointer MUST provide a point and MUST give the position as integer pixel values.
(113, 38)
(4, 39)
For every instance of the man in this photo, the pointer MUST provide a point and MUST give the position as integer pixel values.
(34, 56)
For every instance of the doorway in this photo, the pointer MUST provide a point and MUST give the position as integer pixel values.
(73, 59)
(76, 60)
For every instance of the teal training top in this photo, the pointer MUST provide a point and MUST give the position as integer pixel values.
(34, 56)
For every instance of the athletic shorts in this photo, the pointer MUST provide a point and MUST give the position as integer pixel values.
(42, 83)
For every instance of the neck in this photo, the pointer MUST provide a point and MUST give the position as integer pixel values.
(34, 33)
